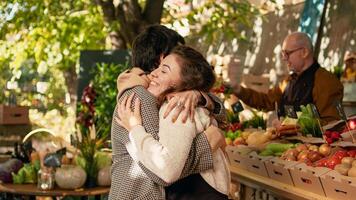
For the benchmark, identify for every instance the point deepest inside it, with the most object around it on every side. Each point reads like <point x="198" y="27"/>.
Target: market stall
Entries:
<point x="288" y="164"/>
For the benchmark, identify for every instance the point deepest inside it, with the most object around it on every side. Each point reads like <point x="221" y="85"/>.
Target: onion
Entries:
<point x="352" y="172"/>
<point x="291" y="152"/>
<point x="342" y="169"/>
<point x="347" y="160"/>
<point x="301" y="147"/>
<point x="325" y="149"/>
<point x="303" y="155"/>
<point x="290" y="158"/>
<point x="314" y="156"/>
<point x="313" y="148"/>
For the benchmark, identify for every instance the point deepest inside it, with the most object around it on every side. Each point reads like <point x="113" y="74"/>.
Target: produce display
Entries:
<point x="300" y="147"/>
<point x="68" y="173"/>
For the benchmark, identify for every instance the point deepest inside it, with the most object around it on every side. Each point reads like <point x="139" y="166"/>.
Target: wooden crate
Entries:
<point x="14" y="115"/>
<point x="10" y="134"/>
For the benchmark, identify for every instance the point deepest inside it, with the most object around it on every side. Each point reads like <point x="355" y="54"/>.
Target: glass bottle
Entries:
<point x="45" y="178"/>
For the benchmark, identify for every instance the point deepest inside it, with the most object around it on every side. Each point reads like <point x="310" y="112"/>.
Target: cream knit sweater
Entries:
<point x="166" y="157"/>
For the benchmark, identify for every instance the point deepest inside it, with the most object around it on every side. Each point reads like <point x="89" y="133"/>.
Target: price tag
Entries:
<point x="340" y="110"/>
<point x="290" y="112"/>
<point x="237" y="107"/>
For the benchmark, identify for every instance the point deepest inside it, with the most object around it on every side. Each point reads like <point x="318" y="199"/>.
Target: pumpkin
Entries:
<point x="104" y="176"/>
<point x="70" y="177"/>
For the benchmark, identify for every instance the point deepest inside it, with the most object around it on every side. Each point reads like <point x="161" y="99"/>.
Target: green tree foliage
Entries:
<point x="104" y="84"/>
<point x="42" y="39"/>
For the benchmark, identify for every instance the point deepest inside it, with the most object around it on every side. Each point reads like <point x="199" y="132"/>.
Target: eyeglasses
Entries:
<point x="285" y="53"/>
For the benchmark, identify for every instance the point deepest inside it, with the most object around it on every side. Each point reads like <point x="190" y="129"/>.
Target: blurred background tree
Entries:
<point x="41" y="40"/>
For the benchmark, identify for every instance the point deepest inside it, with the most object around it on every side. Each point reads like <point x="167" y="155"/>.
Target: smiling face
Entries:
<point x="166" y="77"/>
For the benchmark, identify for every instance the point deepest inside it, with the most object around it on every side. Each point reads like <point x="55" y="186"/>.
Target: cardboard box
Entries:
<point x="256" y="164"/>
<point x="337" y="186"/>
<point x="278" y="169"/>
<point x="14" y="115"/>
<point x="308" y="178"/>
<point x="238" y="155"/>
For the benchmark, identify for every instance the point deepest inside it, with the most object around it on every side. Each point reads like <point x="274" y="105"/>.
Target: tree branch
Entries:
<point x="153" y="11"/>
<point x="108" y="9"/>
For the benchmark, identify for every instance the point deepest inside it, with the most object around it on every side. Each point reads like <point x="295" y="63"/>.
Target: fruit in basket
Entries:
<point x="314" y="156"/>
<point x="332" y="136"/>
<point x="352" y="172"/>
<point x="303" y="155"/>
<point x="239" y="141"/>
<point x="351" y="124"/>
<point x="342" y="169"/>
<point x="314" y="148"/>
<point x="228" y="141"/>
<point x="352" y="153"/>
<point x="325" y="149"/>
<point x="321" y="163"/>
<point x="347" y="160"/>
<point x="290" y="153"/>
<point x="301" y="147"/>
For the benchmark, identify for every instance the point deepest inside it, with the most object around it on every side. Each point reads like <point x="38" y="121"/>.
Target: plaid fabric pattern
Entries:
<point x="130" y="179"/>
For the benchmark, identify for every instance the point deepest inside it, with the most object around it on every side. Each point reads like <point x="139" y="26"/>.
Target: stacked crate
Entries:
<point x="14" y="125"/>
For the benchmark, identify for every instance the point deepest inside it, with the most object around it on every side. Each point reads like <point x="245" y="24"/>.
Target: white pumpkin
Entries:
<point x="104" y="176"/>
<point x="70" y="177"/>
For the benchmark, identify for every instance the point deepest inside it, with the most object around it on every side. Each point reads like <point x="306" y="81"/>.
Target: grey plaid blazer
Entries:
<point x="132" y="180"/>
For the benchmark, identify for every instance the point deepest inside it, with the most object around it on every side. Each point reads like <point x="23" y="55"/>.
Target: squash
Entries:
<point x="70" y="177"/>
<point x="104" y="176"/>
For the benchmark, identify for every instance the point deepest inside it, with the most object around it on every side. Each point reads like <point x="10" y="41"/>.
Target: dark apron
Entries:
<point x="299" y="90"/>
<point x="193" y="187"/>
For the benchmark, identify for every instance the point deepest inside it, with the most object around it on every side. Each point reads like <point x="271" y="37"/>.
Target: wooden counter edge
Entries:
<point x="31" y="189"/>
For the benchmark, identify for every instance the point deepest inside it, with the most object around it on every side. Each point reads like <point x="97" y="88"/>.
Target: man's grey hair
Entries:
<point x="302" y="39"/>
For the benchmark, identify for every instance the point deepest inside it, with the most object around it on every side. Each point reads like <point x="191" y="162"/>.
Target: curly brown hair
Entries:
<point x="196" y="72"/>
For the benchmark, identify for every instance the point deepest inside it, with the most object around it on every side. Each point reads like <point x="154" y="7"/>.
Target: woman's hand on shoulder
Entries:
<point x="185" y="103"/>
<point x="127" y="117"/>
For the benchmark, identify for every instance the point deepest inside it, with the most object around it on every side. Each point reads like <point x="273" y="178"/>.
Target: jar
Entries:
<point x="45" y="178"/>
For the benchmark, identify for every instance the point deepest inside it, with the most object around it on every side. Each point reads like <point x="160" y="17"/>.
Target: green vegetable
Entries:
<point x="80" y="161"/>
<point x="27" y="174"/>
<point x="308" y="123"/>
<point x="233" y="135"/>
<point x="266" y="152"/>
<point x="278" y="147"/>
<point x="103" y="159"/>
<point x="18" y="178"/>
<point x="255" y="122"/>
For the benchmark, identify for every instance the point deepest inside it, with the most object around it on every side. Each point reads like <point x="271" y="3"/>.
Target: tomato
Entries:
<point x="352" y="124"/>
<point x="352" y="153"/>
<point x="321" y="163"/>
<point x="332" y="162"/>
<point x="340" y="154"/>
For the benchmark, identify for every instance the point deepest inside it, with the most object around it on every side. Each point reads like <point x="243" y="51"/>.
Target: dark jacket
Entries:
<point x="326" y="90"/>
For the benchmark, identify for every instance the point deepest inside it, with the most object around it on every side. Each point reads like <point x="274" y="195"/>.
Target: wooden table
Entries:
<point x="276" y="188"/>
<point x="32" y="191"/>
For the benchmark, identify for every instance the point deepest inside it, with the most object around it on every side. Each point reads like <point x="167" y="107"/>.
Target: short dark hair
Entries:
<point x="196" y="72"/>
<point x="149" y="45"/>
